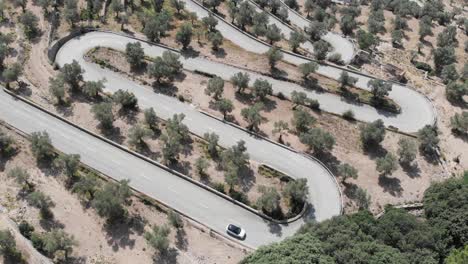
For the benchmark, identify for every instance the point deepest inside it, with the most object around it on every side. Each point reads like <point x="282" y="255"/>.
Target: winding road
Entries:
<point x="204" y="206"/>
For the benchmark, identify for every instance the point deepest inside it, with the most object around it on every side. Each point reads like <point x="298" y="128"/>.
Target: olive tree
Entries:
<point x="134" y="54"/>
<point x="274" y="55"/>
<point x="387" y="164"/>
<point x="407" y="150"/>
<point x="41" y="146"/>
<point x="318" y="140"/>
<point x="252" y="116"/>
<point x="241" y="81"/>
<point x="372" y="133"/>
<point x="215" y="87"/>
<point x="103" y="113"/>
<point x="346" y="171"/>
<point x="268" y="200"/>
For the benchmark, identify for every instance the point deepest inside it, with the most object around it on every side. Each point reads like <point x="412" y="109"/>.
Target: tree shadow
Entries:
<point x="146" y="151"/>
<point x="278" y="73"/>
<point x="141" y="70"/>
<point x="128" y="115"/>
<point x="24" y="89"/>
<point x="245" y="98"/>
<point x="181" y="239"/>
<point x="275" y="228"/>
<point x="183" y="167"/>
<point x="268" y="105"/>
<point x="50" y="224"/>
<point x="391" y="185"/>
<point x="118" y="234"/>
<point x="113" y="134"/>
<point x="189" y="53"/>
<point x="165" y="88"/>
<point x="219" y="53"/>
<point x="462" y="136"/>
<point x="65" y="109"/>
<point x="246" y="178"/>
<point x="374" y="151"/>
<point x="167" y="257"/>
<point x="411" y="169"/>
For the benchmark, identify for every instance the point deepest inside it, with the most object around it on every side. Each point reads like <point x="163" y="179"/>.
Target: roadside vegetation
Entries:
<point x="390" y="238"/>
<point x="70" y="212"/>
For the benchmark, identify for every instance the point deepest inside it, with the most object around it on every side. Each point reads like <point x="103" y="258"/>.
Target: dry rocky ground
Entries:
<point x="96" y="243"/>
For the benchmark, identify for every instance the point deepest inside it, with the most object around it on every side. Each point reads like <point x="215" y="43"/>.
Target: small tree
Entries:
<point x="135" y="54"/>
<point x="212" y="140"/>
<point x="184" y="35"/>
<point x="372" y="133"/>
<point x="406" y="150"/>
<point x="126" y="99"/>
<point x="158" y="238"/>
<point x="12" y="73"/>
<point x="216" y="39"/>
<point x="296" y="192"/>
<point x="316" y="30"/>
<point x="137" y="135"/>
<point x="7" y="145"/>
<point x="178" y="5"/>
<point x="298" y="98"/>
<point x="151" y="119"/>
<point x="8" y="247"/>
<point x="210" y="23"/>
<point x="308" y="68"/>
<point x="59" y="244"/>
<point x="455" y="91"/>
<point x="363" y="199"/>
<point x="318" y="140"/>
<point x="240" y="80"/>
<point x="459" y="123"/>
<point x="93" y="88"/>
<point x="70" y="11"/>
<point x="215" y="87"/>
<point x="41" y="146"/>
<point x="225" y="106"/>
<point x="429" y="139"/>
<point x="346" y="80"/>
<point x="252" y="116"/>
<point x="175" y="219"/>
<point x="261" y="88"/>
<point x="72" y="74"/>
<point x="295" y="40"/>
<point x="273" y="34"/>
<point x="268" y="200"/>
<point x="116" y="7"/>
<point x="42" y="202"/>
<point x="201" y="164"/>
<point x="86" y="186"/>
<point x="379" y="89"/>
<point x="387" y="164"/>
<point x="366" y="40"/>
<point x="30" y="24"/>
<point x="449" y="73"/>
<point x="302" y="120"/>
<point x="57" y="88"/>
<point x="274" y="55"/>
<point x="69" y="164"/>
<point x="346" y="171"/>
<point x="279" y="128"/>
<point x="21" y="177"/>
<point x="321" y="49"/>
<point x="109" y="201"/>
<point x="103" y="113"/>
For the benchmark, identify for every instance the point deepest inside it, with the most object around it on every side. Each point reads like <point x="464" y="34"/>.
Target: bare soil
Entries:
<point x="98" y="243"/>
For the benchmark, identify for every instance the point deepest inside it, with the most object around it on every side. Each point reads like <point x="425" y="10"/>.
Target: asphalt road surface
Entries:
<point x="204" y="206"/>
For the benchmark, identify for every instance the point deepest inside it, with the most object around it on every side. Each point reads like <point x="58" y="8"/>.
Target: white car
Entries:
<point x="235" y="231"/>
